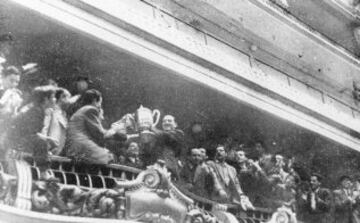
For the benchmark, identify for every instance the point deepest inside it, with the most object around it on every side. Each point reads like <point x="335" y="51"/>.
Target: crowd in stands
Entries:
<point x="55" y="123"/>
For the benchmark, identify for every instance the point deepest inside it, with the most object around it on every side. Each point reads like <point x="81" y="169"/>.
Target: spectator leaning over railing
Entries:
<point x="86" y="135"/>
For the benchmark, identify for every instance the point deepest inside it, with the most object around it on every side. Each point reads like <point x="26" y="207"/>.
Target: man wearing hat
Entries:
<point x="344" y="201"/>
<point x="315" y="205"/>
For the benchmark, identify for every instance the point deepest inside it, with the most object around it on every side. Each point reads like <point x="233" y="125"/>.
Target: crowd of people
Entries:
<point x="53" y="122"/>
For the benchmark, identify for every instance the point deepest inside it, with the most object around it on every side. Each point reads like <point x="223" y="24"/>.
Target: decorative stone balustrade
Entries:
<point x="112" y="192"/>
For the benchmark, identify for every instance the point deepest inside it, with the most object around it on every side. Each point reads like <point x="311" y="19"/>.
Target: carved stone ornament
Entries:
<point x="151" y="197"/>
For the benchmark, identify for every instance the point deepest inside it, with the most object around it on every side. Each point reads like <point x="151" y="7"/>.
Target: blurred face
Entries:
<point x="203" y="153"/>
<point x="259" y="148"/>
<point x="5" y="48"/>
<point x="50" y="102"/>
<point x="279" y="160"/>
<point x="133" y="146"/>
<point x="82" y="85"/>
<point x="98" y="103"/>
<point x="314" y="182"/>
<point x="290" y="181"/>
<point x="133" y="149"/>
<point x="11" y="81"/>
<point x="346" y="183"/>
<point x="357" y="184"/>
<point x="220" y="153"/>
<point x="168" y="123"/>
<point x="196" y="156"/>
<point x="101" y="114"/>
<point x="52" y="83"/>
<point x="241" y="157"/>
<point x="64" y="100"/>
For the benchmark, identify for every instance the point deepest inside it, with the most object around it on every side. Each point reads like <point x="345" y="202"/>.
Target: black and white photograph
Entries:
<point x="179" y="111"/>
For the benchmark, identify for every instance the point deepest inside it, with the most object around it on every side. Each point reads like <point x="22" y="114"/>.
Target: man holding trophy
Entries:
<point x="163" y="145"/>
<point x="170" y="144"/>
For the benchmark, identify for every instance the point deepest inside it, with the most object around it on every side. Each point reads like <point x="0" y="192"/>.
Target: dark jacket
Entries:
<point x="168" y="146"/>
<point x="86" y="135"/>
<point x="22" y="134"/>
<point x="343" y="207"/>
<point x="322" y="212"/>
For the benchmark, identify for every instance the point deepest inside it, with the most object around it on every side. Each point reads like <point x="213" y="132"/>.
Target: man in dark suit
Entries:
<point x="187" y="172"/>
<point x="315" y="205"/>
<point x="344" y="201"/>
<point x="132" y="158"/>
<point x="168" y="146"/>
<point x="85" y="133"/>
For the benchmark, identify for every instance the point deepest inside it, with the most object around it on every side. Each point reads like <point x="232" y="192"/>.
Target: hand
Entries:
<point x="110" y="155"/>
<point x="118" y="126"/>
<point x="222" y="194"/>
<point x="180" y="164"/>
<point x="42" y="136"/>
<point x="255" y="164"/>
<point x="245" y="203"/>
<point x="353" y="201"/>
<point x="52" y="142"/>
<point x="6" y="97"/>
<point x="350" y="200"/>
<point x="304" y="196"/>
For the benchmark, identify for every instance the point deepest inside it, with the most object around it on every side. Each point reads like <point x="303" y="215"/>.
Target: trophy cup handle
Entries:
<point x="157" y="114"/>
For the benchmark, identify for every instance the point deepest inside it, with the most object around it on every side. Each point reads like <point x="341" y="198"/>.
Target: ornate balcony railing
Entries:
<point x="113" y="192"/>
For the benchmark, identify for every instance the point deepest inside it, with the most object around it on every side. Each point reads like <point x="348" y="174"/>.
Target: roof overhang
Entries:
<point x="146" y="32"/>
